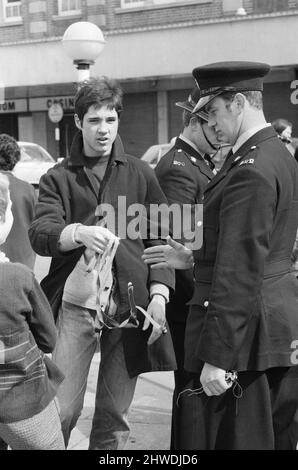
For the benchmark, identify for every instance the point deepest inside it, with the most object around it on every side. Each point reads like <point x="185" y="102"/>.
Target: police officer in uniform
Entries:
<point x="243" y="316"/>
<point x="183" y="174"/>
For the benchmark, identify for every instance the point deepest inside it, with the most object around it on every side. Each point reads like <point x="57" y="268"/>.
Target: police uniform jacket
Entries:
<point x="183" y="175"/>
<point x="244" y="307"/>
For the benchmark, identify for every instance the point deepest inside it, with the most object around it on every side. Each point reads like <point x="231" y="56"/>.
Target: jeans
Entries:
<point x="76" y="344"/>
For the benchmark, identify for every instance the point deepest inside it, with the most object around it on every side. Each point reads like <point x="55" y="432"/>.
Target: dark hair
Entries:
<point x="255" y="98"/>
<point x="10" y="152"/>
<point x="281" y="124"/>
<point x="99" y="91"/>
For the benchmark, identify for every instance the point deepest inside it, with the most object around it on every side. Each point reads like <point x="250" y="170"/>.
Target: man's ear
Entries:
<point x="77" y="122"/>
<point x="193" y="122"/>
<point x="239" y="102"/>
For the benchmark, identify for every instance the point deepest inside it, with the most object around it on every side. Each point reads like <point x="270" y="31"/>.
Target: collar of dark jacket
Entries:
<point x="77" y="153"/>
<point x="264" y="134"/>
<point x="199" y="160"/>
<point x="181" y="144"/>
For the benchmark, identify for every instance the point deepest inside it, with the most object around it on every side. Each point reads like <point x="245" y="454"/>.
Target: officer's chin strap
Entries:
<point x="214" y="147"/>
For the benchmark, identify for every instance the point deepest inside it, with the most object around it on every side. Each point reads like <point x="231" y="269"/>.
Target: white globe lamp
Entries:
<point x="83" y="42"/>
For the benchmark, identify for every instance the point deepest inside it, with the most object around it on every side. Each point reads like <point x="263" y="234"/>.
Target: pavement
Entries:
<point x="149" y="417"/>
<point x="150" y="413"/>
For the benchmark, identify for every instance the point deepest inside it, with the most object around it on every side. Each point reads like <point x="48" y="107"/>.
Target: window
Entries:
<point x="12" y="10"/>
<point x="152" y="3"/>
<point x="69" y="7"/>
<point x="132" y="3"/>
<point x="271" y="6"/>
<point x="160" y="2"/>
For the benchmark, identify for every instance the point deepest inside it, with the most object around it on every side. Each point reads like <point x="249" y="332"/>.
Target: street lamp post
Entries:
<point x="83" y="42"/>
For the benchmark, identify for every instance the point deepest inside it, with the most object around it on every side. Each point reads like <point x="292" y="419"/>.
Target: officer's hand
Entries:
<point x="213" y="380"/>
<point x="157" y="310"/>
<point x="93" y="237"/>
<point x="173" y="255"/>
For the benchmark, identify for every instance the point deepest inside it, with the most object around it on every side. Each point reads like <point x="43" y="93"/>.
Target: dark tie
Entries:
<point x="209" y="161"/>
<point x="229" y="159"/>
<point x="229" y="154"/>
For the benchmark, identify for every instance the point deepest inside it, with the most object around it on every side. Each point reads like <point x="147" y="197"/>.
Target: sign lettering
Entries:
<point x="66" y="102"/>
<point x="13" y="106"/>
<point x="294" y="94"/>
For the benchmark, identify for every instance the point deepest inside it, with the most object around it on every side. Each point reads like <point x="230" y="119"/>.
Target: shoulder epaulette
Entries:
<point x="247" y="161"/>
<point x="176" y="160"/>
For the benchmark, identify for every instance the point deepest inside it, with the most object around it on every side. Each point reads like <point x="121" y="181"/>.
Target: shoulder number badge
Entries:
<point x="247" y="162"/>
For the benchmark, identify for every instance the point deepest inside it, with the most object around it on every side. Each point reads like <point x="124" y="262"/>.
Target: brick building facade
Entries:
<point x="151" y="47"/>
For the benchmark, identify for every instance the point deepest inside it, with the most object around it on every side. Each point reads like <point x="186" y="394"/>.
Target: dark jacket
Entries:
<point x="67" y="195"/>
<point x="183" y="176"/>
<point x="17" y="246"/>
<point x="245" y="299"/>
<point x="26" y="328"/>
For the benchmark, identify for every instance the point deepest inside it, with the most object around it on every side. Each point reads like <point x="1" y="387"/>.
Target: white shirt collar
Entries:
<point x="247" y="135"/>
<point x="189" y="142"/>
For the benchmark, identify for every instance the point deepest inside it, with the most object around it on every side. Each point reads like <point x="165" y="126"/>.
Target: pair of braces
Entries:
<point x="135" y="308"/>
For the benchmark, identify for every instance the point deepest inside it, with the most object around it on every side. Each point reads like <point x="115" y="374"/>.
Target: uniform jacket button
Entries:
<point x="206" y="303"/>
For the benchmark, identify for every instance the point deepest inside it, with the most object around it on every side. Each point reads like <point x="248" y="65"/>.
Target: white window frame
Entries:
<point x="132" y="3"/>
<point x="172" y="2"/>
<point x="162" y="2"/>
<point x="10" y="5"/>
<point x="69" y="12"/>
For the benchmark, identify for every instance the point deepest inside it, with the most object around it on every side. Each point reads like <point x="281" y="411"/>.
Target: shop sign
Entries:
<point x="13" y="106"/>
<point x="44" y="103"/>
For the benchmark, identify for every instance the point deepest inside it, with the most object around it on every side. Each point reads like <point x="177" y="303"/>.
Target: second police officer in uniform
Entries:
<point x="183" y="174"/>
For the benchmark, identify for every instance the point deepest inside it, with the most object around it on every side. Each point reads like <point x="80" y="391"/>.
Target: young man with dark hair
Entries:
<point x="91" y="268"/>
<point x="17" y="246"/>
<point x="242" y="328"/>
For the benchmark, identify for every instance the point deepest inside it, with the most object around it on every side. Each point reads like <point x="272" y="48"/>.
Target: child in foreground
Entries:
<point x="29" y="418"/>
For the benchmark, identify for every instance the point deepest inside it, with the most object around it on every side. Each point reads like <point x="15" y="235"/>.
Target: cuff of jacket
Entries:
<point x="160" y="289"/>
<point x="67" y="240"/>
